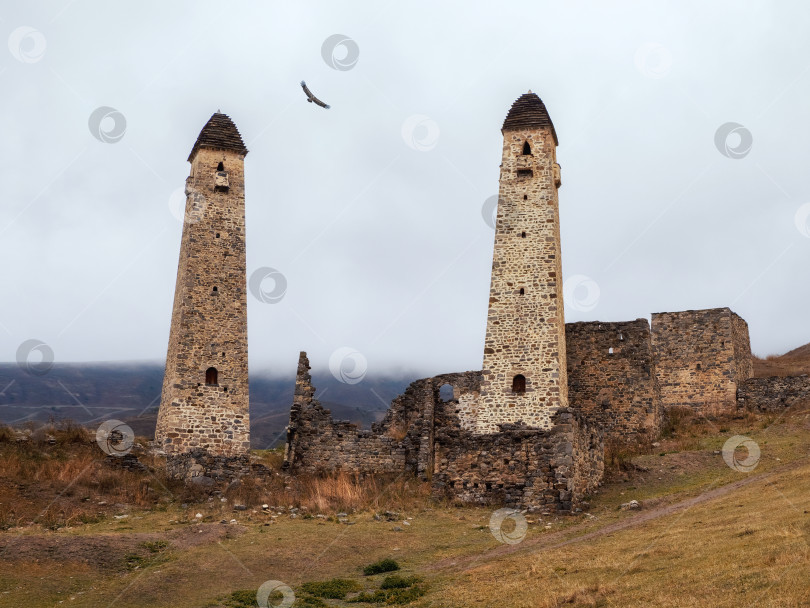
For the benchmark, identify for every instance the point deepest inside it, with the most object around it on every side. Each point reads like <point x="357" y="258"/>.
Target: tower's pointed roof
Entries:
<point x="219" y="133"/>
<point x="528" y="112"/>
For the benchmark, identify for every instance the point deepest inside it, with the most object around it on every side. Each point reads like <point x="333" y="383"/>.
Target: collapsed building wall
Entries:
<point x="701" y="357"/>
<point x="550" y="470"/>
<point x="611" y="377"/>
<point x="773" y="394"/>
<point x="433" y="437"/>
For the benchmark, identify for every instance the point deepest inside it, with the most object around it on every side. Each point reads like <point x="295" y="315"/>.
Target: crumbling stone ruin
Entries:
<point x="427" y="436"/>
<point x="702" y="357"/>
<point x="612" y="377"/>
<point x="773" y="394"/>
<point x="203" y="424"/>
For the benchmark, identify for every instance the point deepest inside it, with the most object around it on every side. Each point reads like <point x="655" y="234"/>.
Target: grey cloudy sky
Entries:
<point x="383" y="244"/>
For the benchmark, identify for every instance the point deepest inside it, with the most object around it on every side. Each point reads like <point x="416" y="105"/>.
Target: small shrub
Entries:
<point x="384" y="565"/>
<point x="335" y="589"/>
<point x="395" y="581"/>
<point x="241" y="598"/>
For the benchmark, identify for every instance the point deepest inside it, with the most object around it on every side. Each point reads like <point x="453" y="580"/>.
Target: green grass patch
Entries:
<point x="335" y="589"/>
<point x="384" y="565"/>
<point x="396" y="581"/>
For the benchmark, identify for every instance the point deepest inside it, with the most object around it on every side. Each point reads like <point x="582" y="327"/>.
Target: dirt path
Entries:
<point x="562" y="538"/>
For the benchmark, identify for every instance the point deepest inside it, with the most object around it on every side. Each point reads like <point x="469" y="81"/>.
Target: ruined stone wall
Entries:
<point x="434" y="438"/>
<point x="701" y="356"/>
<point x="611" y="376"/>
<point x="547" y="470"/>
<point x="773" y="394"/>
<point x="402" y="441"/>
<point x="209" y="318"/>
<point x="525" y="326"/>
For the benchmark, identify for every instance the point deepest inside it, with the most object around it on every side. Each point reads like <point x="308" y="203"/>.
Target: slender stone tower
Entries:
<point x="525" y="376"/>
<point x="204" y="406"/>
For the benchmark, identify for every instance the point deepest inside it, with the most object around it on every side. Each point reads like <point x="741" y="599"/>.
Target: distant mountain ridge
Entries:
<point x="91" y="392"/>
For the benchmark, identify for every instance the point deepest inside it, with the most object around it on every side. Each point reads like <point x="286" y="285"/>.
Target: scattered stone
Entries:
<point x="239" y="508"/>
<point x="633" y="505"/>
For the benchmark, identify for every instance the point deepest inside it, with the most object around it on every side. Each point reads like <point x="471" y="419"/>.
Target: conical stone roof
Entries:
<point x="528" y="112"/>
<point x="221" y="134"/>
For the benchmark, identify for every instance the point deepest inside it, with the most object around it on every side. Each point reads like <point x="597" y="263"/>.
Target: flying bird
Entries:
<point x="311" y="97"/>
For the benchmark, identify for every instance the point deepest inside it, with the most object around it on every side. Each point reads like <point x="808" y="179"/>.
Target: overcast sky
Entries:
<point x="372" y="210"/>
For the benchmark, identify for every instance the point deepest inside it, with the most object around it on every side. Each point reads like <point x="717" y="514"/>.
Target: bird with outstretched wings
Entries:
<point x="311" y="98"/>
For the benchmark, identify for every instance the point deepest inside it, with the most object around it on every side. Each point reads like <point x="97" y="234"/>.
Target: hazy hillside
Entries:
<point x="91" y="392"/>
<point x="793" y="363"/>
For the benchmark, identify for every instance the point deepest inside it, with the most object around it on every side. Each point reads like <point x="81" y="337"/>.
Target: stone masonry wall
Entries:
<point x="548" y="470"/>
<point x="773" y="394"/>
<point x="611" y="376"/>
<point x="209" y="318"/>
<point x="525" y="326"/>
<point x="433" y="438"/>
<point x="701" y="357"/>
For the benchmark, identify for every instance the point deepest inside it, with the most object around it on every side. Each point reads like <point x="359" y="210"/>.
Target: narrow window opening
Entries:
<point x="217" y="234"/>
<point x="524" y="173"/>
<point x="519" y="384"/>
<point x="698" y="367"/>
<point x="522" y="291"/>
<point x="211" y="376"/>
<point x="527" y="150"/>
<point x="621" y="337"/>
<point x="610" y="350"/>
<point x="525" y="197"/>
<point x="446" y="392"/>
<point x="523" y="235"/>
<point x="215" y="290"/>
<point x="220" y="167"/>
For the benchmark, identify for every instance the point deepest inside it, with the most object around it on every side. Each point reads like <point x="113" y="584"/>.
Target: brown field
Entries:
<point x="79" y="532"/>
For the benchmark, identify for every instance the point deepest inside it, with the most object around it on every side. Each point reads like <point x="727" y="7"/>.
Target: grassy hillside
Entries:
<point x="78" y="532"/>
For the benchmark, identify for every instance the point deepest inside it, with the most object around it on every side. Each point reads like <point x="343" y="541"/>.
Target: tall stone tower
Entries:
<point x="525" y="376"/>
<point x="204" y="405"/>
